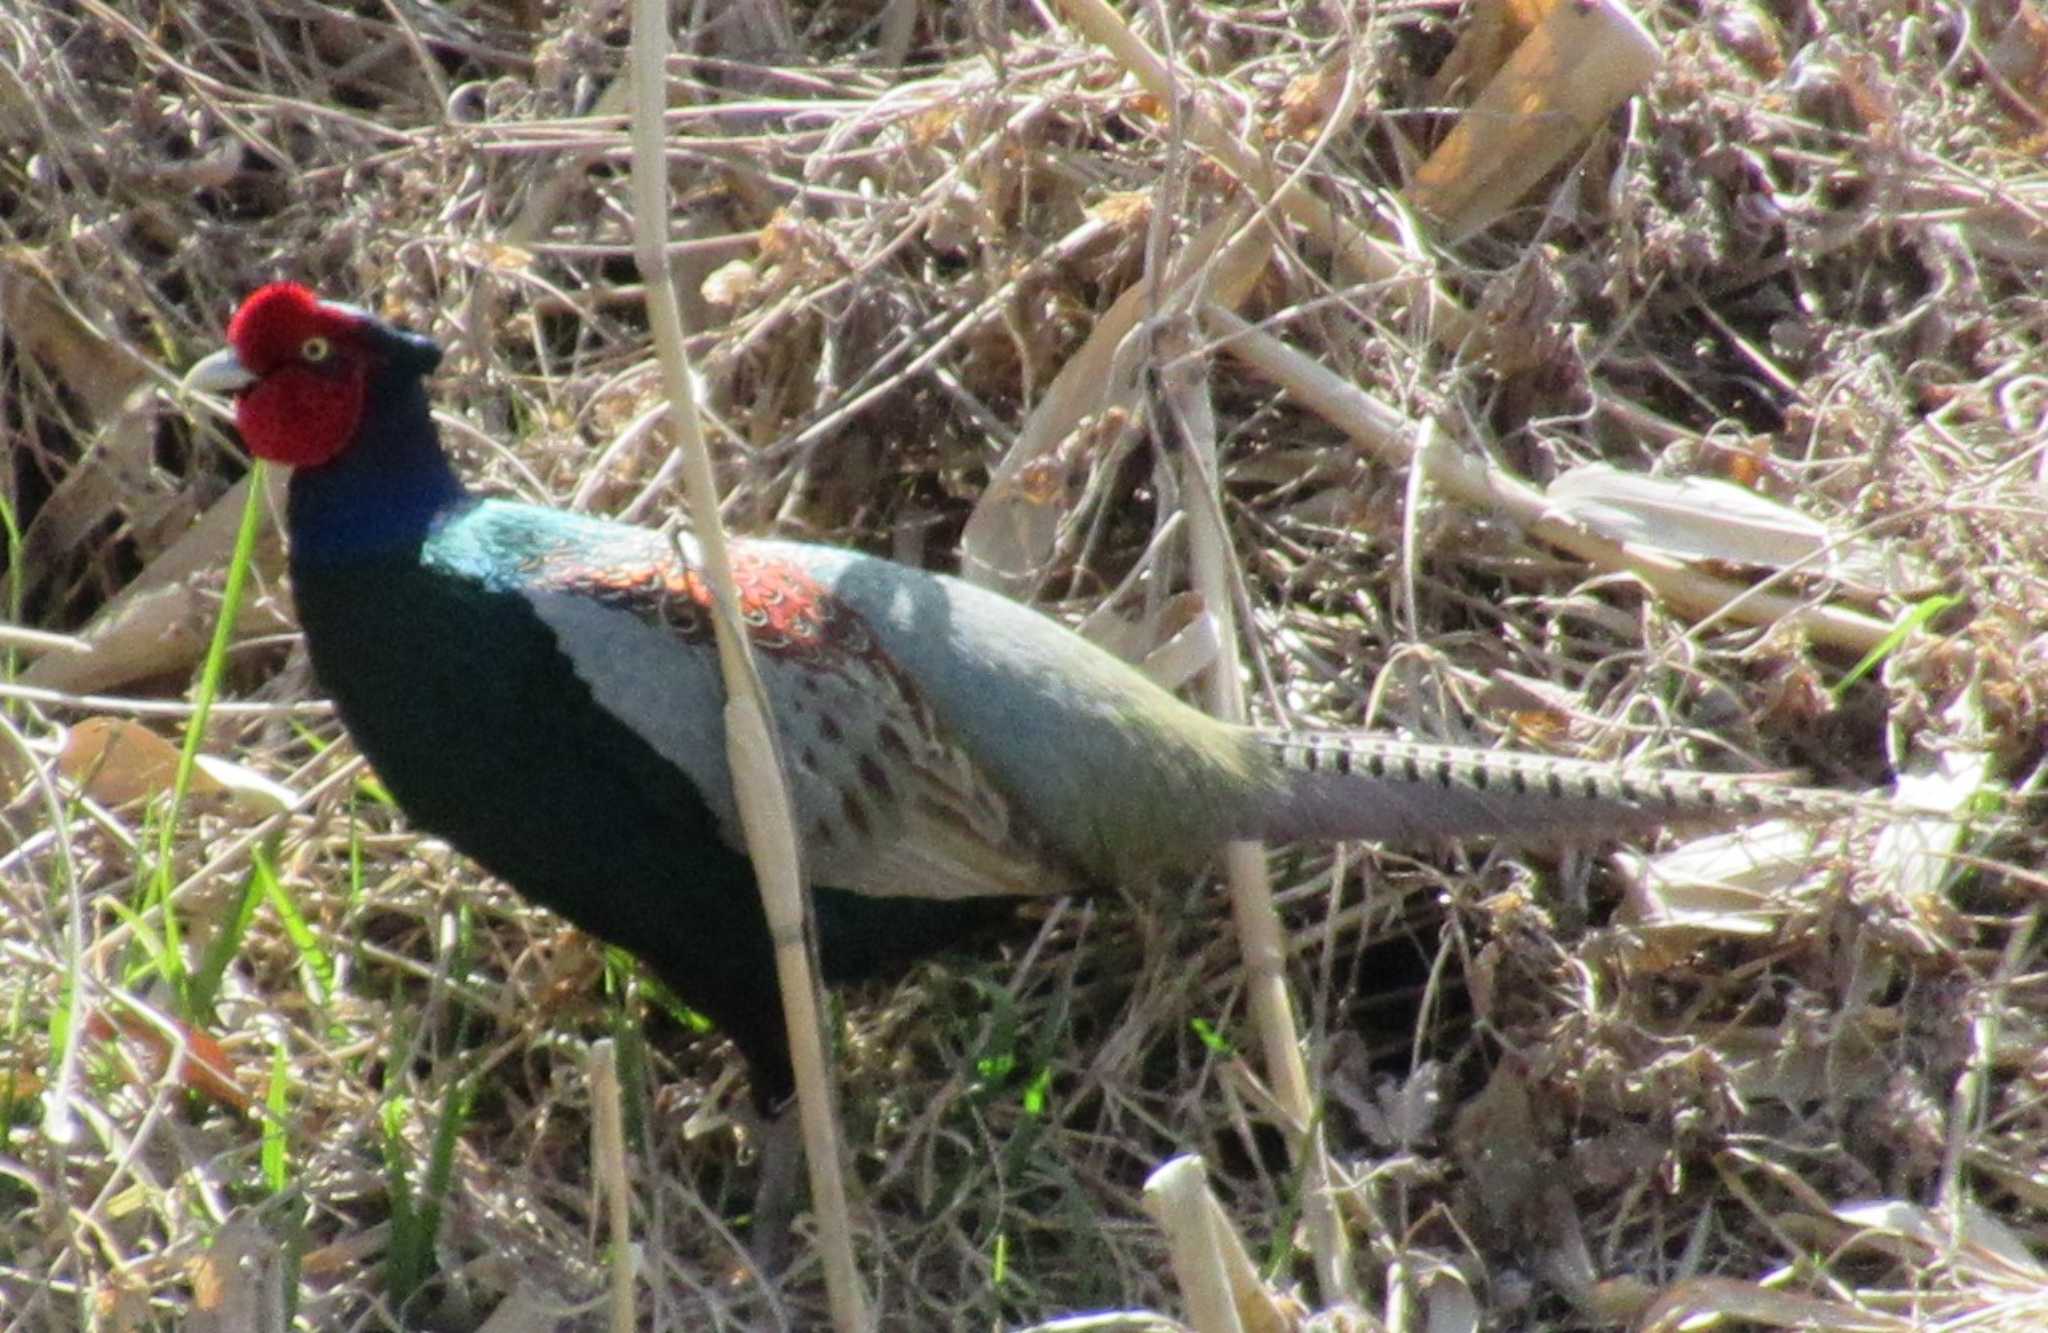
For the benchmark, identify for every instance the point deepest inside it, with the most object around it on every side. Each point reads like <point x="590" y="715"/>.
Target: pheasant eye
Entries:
<point x="315" y="350"/>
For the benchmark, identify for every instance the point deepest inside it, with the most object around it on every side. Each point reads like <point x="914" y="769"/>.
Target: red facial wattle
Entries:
<point x="309" y="368"/>
<point x="301" y="415"/>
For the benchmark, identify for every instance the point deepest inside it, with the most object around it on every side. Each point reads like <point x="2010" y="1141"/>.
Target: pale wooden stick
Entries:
<point x="1582" y="59"/>
<point x="608" y="1163"/>
<point x="1218" y="1280"/>
<point x="1260" y="937"/>
<point x="759" y="785"/>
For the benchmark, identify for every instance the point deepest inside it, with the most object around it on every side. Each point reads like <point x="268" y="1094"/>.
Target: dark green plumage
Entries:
<point x="461" y="700"/>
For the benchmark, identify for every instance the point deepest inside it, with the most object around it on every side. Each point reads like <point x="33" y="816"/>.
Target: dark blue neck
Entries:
<point x="383" y="493"/>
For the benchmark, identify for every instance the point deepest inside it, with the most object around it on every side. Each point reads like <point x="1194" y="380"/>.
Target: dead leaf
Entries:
<point x="161" y="623"/>
<point x="116" y="760"/>
<point x="202" y="1063"/>
<point x="99" y="372"/>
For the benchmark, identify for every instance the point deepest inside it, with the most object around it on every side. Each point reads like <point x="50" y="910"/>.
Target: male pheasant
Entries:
<point x="540" y="689"/>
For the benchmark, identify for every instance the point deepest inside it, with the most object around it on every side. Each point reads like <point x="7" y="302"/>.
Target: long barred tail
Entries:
<point x="1358" y="785"/>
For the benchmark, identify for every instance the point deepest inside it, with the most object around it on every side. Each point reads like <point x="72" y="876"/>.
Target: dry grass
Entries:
<point x="1807" y="260"/>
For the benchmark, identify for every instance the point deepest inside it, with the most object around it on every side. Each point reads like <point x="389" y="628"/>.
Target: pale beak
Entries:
<point x="223" y="372"/>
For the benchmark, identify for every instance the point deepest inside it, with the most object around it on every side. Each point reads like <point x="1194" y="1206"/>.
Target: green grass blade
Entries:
<point x="407" y="1260"/>
<point x="204" y="986"/>
<point x="416" y="1204"/>
<point x="319" y="968"/>
<point x="17" y="587"/>
<point x="1909" y="624"/>
<point x="210" y="675"/>
<point x="276" y="1169"/>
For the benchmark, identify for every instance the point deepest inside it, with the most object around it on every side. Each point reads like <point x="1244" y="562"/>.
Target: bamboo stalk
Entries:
<point x="1260" y="937"/>
<point x="759" y="784"/>
<point x="608" y="1164"/>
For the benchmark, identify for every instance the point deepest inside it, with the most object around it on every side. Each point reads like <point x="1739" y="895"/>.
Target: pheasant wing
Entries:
<point x="886" y="802"/>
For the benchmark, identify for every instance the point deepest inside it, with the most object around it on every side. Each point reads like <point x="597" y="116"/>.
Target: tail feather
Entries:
<point x="1355" y="785"/>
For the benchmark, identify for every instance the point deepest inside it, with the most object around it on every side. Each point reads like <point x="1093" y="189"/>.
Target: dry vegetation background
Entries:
<point x="1806" y="260"/>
